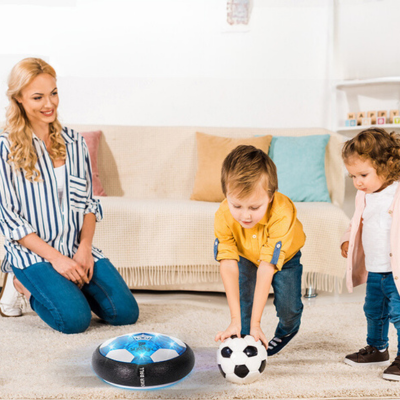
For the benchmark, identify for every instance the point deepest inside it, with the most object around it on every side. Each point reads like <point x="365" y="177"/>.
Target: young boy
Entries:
<point x="258" y="244"/>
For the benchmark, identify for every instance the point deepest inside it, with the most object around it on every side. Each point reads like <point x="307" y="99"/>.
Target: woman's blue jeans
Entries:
<point x="382" y="303"/>
<point x="66" y="308"/>
<point x="287" y="290"/>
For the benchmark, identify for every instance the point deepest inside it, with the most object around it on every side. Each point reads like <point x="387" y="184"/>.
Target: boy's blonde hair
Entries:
<point x="378" y="146"/>
<point x="245" y="168"/>
<point x="22" y="153"/>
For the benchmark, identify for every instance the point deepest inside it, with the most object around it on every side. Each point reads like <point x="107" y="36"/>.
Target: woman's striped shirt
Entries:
<point x="27" y="207"/>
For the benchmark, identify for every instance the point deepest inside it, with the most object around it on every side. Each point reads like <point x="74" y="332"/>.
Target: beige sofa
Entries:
<point x="161" y="240"/>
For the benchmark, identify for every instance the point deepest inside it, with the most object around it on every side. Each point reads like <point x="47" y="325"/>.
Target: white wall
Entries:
<point x="158" y="62"/>
<point x="367" y="38"/>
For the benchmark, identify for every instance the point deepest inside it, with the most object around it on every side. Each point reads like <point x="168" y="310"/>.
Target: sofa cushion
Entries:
<point x="92" y="140"/>
<point x="211" y="152"/>
<point x="300" y="162"/>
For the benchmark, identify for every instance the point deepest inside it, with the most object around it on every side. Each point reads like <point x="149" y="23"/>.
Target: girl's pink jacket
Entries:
<point x="356" y="272"/>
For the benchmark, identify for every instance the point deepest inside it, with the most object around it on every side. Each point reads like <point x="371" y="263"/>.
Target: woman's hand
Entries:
<point x="85" y="259"/>
<point x="233" y="329"/>
<point x="258" y="334"/>
<point x="345" y="249"/>
<point x="70" y="269"/>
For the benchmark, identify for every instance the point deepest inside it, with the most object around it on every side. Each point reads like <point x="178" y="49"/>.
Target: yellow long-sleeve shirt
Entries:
<point x="275" y="239"/>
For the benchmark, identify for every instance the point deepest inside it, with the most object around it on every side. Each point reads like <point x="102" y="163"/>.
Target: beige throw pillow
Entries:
<point x="211" y="152"/>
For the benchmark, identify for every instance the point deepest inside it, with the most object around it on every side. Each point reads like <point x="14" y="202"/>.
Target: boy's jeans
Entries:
<point x="382" y="302"/>
<point x="66" y="308"/>
<point x="287" y="290"/>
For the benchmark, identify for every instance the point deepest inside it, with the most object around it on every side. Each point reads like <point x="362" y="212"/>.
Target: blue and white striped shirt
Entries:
<point x="27" y="207"/>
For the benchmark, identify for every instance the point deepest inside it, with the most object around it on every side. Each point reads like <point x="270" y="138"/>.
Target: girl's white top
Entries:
<point x="376" y="229"/>
<point x="60" y="177"/>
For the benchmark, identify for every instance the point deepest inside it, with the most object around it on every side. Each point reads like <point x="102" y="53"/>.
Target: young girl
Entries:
<point x="48" y="214"/>
<point x="371" y="244"/>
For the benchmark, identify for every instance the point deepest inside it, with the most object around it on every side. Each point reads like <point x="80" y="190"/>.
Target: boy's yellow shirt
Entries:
<point x="275" y="239"/>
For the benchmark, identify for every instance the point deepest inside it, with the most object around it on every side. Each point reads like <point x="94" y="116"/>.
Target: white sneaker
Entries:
<point x="11" y="301"/>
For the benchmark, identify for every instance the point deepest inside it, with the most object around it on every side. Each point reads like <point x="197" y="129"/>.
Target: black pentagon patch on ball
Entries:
<point x="241" y="371"/>
<point x="250" y="351"/>
<point x="226" y="352"/>
<point x="262" y="366"/>
<point x="222" y="371"/>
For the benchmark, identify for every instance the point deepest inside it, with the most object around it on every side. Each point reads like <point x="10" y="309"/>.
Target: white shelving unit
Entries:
<point x="364" y="82"/>
<point x="378" y="93"/>
<point x="361" y="127"/>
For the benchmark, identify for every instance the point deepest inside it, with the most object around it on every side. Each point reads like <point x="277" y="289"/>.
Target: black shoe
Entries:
<point x="276" y="344"/>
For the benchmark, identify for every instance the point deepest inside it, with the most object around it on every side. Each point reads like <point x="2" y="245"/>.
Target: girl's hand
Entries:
<point x="233" y="329"/>
<point x="345" y="249"/>
<point x="258" y="334"/>
<point x="85" y="259"/>
<point x="70" y="269"/>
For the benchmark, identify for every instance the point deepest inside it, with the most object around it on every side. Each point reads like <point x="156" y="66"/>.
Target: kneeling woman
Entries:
<point x="48" y="214"/>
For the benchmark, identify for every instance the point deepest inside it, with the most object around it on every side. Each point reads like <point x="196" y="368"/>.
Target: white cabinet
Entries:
<point x="364" y="95"/>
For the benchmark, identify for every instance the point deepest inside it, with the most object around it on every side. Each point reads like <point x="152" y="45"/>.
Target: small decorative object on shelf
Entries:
<point x="382" y="113"/>
<point x="372" y="115"/>
<point x="351" y="122"/>
<point x="351" y="115"/>
<point x="396" y="120"/>
<point x="392" y="114"/>
<point x="371" y="118"/>
<point x="360" y="116"/>
<point x="366" y="121"/>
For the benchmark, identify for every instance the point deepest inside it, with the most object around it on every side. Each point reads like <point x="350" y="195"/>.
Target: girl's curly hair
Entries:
<point x="378" y="146"/>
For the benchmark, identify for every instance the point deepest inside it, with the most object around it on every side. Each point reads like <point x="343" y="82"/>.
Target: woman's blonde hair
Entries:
<point x="22" y="153"/>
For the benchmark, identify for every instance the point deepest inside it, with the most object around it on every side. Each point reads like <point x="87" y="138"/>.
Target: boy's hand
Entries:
<point x="345" y="249"/>
<point x="258" y="334"/>
<point x="233" y="329"/>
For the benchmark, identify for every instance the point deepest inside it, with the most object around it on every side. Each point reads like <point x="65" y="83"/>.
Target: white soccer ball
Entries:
<point x="241" y="360"/>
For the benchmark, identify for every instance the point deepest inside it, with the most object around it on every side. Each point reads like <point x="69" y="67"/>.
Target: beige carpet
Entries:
<point x="38" y="363"/>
